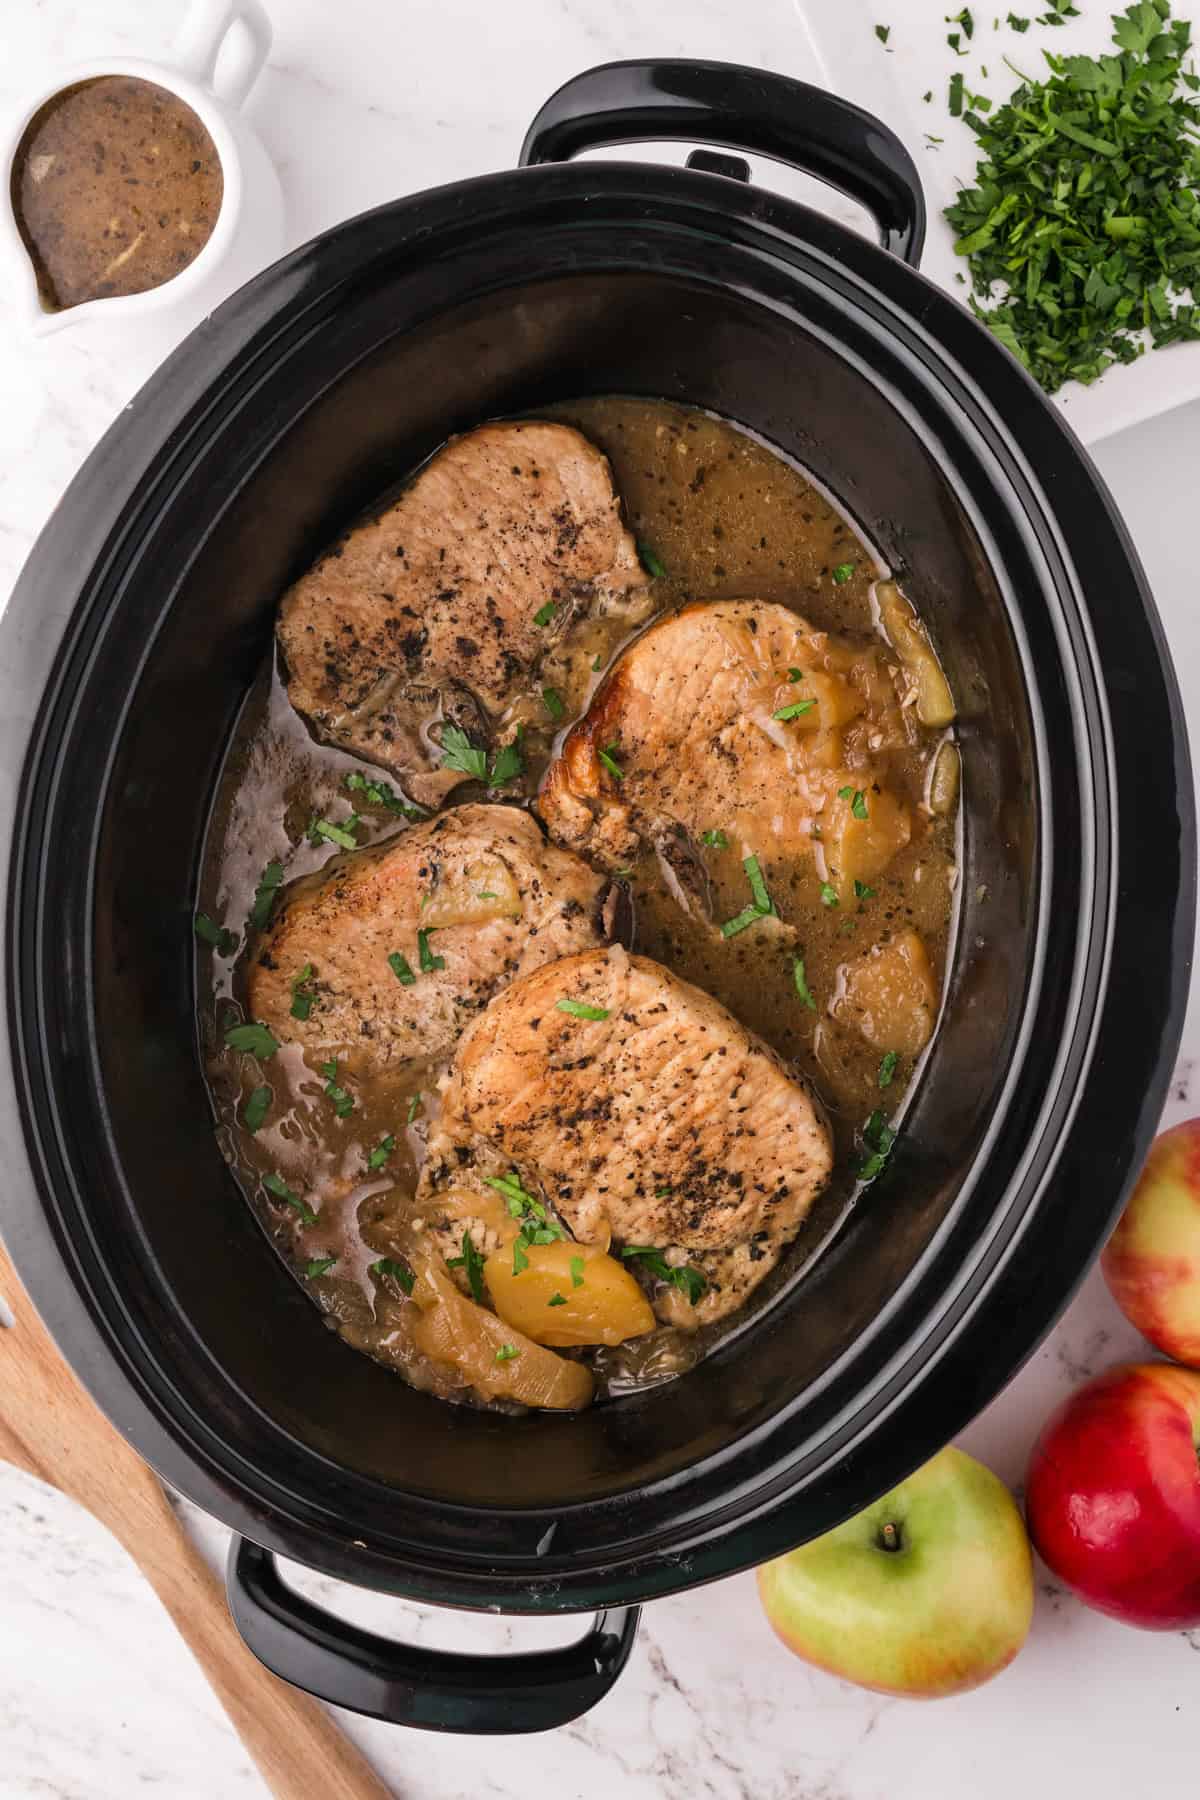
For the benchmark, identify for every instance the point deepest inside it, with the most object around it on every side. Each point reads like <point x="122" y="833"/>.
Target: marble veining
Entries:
<point x="98" y="1698"/>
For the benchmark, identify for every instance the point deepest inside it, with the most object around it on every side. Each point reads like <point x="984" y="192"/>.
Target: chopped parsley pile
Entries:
<point x="1082" y="233"/>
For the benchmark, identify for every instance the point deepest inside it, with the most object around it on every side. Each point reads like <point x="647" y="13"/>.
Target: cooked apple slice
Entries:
<point x="906" y="634"/>
<point x="889" y="995"/>
<point x="498" y="1361"/>
<point x="568" y="1294"/>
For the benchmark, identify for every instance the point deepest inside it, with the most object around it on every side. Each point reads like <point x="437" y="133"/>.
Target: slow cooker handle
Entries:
<point x="406" y="1684"/>
<point x="742" y="109"/>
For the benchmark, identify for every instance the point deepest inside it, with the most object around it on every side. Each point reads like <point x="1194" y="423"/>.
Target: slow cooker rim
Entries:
<point x="616" y="174"/>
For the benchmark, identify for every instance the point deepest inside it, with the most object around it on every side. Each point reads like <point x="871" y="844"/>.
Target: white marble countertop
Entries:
<point x="98" y="1698"/>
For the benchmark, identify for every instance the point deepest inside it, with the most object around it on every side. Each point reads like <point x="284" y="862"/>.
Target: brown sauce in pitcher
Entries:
<point x="116" y="188"/>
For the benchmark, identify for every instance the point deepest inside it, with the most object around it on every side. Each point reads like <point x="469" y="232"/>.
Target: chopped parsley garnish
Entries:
<point x="954" y="98"/>
<point x="1017" y="22"/>
<point x="878" y="1138"/>
<point x="382" y="793"/>
<point x="557" y="1300"/>
<point x="472" y="1262"/>
<point x="428" y="961"/>
<point x="544" y="614"/>
<point x="654" y="1259"/>
<point x="758" y="886"/>
<point x="761" y="904"/>
<point x="650" y="562"/>
<point x="577" y="1271"/>
<point x="887" y="1068"/>
<point x="507" y="1353"/>
<point x="343" y="1102"/>
<point x="276" y="1185"/>
<point x="400" y="1272"/>
<point x="414" y="1107"/>
<point x="829" y="894"/>
<point x="507" y="764"/>
<point x="510" y="1187"/>
<point x="857" y="799"/>
<point x="579" y="1009"/>
<point x="400" y="968"/>
<point x="381" y="1152"/>
<point x="256" y="1108"/>
<point x="537" y="1227"/>
<point x="553" y="703"/>
<point x="883" y="33"/>
<point x="843" y="572"/>
<point x="1082" y="232"/>
<point x="610" y="762"/>
<point x="458" y="752"/>
<point x="964" y="19"/>
<point x="794" y="712"/>
<point x="596" y="664"/>
<point x="253" y="1038"/>
<point x="862" y="891"/>
<point x="320" y="1265"/>
<point x="547" y="1232"/>
<point x="795" y="674"/>
<point x="342" y="835"/>
<point x="302" y="994"/>
<point x="222" y="941"/>
<point x="264" y="895"/>
<point x="716" y="840"/>
<point x="689" y="1281"/>
<point x="749" y="915"/>
<point x="801" y="981"/>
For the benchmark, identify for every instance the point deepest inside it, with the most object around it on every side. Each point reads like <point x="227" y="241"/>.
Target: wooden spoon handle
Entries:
<point x="300" y="1752"/>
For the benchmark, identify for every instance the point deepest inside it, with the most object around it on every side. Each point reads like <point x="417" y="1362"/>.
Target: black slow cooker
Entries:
<point x="129" y="646"/>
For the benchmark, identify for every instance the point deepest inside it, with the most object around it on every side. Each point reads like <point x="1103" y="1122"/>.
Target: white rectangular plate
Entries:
<point x="890" y="82"/>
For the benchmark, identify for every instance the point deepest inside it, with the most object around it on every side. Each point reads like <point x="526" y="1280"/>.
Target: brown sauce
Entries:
<point x="724" y="516"/>
<point x="116" y="188"/>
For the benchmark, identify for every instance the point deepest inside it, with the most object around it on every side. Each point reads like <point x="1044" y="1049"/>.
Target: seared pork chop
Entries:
<point x="446" y="604"/>
<point x="391" y="951"/>
<point x="639" y="1108"/>
<point x="738" y="715"/>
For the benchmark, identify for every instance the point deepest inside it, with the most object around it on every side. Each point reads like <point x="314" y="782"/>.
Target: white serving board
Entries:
<point x="891" y="81"/>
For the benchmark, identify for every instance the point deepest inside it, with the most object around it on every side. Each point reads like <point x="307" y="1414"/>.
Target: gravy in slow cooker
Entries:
<point x="744" y="759"/>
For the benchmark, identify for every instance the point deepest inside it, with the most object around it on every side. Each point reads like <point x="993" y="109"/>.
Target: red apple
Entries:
<point x="1152" y="1260"/>
<point x="1113" y="1495"/>
<point x="927" y="1592"/>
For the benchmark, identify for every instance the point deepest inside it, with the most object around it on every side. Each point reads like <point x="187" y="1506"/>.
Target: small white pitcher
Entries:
<point x="248" y="233"/>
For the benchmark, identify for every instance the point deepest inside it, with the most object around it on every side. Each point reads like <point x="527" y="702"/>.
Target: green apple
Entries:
<point x="928" y="1592"/>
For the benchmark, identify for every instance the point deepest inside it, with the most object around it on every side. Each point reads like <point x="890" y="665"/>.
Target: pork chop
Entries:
<point x="738" y="716"/>
<point x="387" y="953"/>
<point x="445" y="605"/>
<point x="641" y="1109"/>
